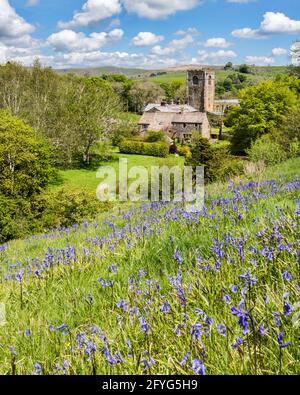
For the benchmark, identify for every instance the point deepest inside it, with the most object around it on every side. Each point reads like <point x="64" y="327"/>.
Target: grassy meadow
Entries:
<point x="157" y="289"/>
<point x="259" y="74"/>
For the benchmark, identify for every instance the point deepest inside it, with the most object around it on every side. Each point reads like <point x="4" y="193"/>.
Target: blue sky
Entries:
<point x="148" y="33"/>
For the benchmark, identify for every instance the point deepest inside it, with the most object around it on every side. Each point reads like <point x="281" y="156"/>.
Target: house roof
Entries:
<point x="192" y="117"/>
<point x="161" y="120"/>
<point x="169" y="108"/>
<point x="231" y="101"/>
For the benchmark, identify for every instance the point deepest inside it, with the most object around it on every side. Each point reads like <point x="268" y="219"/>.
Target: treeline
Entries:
<point x="73" y="113"/>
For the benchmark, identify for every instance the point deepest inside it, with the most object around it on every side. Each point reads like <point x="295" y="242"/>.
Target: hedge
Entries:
<point x="143" y="148"/>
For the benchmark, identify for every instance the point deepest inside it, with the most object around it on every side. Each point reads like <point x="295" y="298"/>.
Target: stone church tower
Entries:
<point x="201" y="89"/>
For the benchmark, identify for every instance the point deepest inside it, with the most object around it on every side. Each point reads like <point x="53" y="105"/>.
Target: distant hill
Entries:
<point x="96" y="71"/>
<point x="175" y="73"/>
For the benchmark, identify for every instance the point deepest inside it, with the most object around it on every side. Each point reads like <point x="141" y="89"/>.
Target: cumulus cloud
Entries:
<point x="260" y="60"/>
<point x="247" y="32"/>
<point x="92" y="12"/>
<point x="218" y="57"/>
<point x="173" y="47"/>
<point x="218" y="42"/>
<point x="158" y="9"/>
<point x="241" y="1"/>
<point x="70" y="41"/>
<point x="273" y="23"/>
<point x="13" y="28"/>
<point x="32" y="3"/>
<point x="190" y="30"/>
<point x="279" y="52"/>
<point x="144" y="39"/>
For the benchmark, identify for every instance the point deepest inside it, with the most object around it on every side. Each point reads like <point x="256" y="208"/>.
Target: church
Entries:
<point x="181" y="120"/>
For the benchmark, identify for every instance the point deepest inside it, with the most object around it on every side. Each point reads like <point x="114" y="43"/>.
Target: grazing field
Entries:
<point x="85" y="179"/>
<point x="156" y="289"/>
<point x="259" y="74"/>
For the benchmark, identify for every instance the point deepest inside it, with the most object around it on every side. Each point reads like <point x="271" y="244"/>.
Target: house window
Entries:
<point x="195" y="80"/>
<point x="184" y="125"/>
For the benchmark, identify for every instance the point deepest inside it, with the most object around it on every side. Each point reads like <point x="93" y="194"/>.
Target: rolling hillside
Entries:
<point x="159" y="290"/>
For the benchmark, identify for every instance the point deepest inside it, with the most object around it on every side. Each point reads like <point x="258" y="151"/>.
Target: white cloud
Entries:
<point x="240" y="1"/>
<point x="158" y="9"/>
<point x="279" y="52"/>
<point x="217" y="57"/>
<point x="190" y="30"/>
<point x="70" y="41"/>
<point x="144" y="39"/>
<point x="173" y="47"/>
<point x="92" y="12"/>
<point x="13" y="28"/>
<point x="218" y="42"/>
<point x="32" y="3"/>
<point x="277" y="22"/>
<point x="246" y="32"/>
<point x="273" y="23"/>
<point x="260" y="60"/>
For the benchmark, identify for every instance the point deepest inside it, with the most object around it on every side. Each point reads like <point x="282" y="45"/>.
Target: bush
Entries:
<point x="153" y="136"/>
<point x="185" y="151"/>
<point x="49" y="210"/>
<point x="267" y="150"/>
<point x="144" y="148"/>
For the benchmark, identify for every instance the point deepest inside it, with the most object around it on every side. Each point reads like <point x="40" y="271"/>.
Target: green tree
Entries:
<point x="262" y="108"/>
<point x="25" y="159"/>
<point x="245" y="68"/>
<point x="202" y="154"/>
<point x="228" y="66"/>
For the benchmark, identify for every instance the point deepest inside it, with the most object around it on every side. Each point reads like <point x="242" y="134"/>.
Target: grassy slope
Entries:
<point x="60" y="296"/>
<point x="86" y="179"/>
<point x="260" y="73"/>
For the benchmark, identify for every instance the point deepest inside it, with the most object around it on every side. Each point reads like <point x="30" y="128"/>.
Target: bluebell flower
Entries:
<point x="287" y="276"/>
<point x="280" y="336"/>
<point x="276" y="318"/>
<point x="222" y="329"/>
<point x="165" y="308"/>
<point x="37" y="369"/>
<point x="185" y="359"/>
<point x="198" y="367"/>
<point x="27" y="332"/>
<point x="196" y="330"/>
<point x="263" y="330"/>
<point x="287" y="308"/>
<point x="239" y="341"/>
<point x="145" y="327"/>
<point x="177" y="256"/>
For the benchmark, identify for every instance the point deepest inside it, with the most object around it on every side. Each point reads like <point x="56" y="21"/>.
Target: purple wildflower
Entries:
<point x="198" y="367"/>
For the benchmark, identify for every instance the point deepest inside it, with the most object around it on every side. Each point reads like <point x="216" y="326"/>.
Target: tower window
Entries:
<point x="209" y="80"/>
<point x="195" y="80"/>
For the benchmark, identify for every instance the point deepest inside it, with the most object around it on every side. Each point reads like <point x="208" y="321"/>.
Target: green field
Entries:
<point x="160" y="290"/>
<point x="259" y="74"/>
<point x="85" y="179"/>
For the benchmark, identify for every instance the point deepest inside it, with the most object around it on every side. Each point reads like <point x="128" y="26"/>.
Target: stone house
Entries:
<point x="180" y="121"/>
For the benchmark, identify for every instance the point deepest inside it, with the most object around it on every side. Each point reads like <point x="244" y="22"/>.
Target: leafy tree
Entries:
<point x="144" y="93"/>
<point x="25" y="159"/>
<point x="245" y="68"/>
<point x="173" y="90"/>
<point x="202" y="154"/>
<point x="262" y="108"/>
<point x="228" y="66"/>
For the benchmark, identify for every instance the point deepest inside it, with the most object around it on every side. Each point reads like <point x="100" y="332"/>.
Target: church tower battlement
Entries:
<point x="201" y="89"/>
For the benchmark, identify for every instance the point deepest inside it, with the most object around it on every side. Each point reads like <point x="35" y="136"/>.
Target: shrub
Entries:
<point x="185" y="151"/>
<point x="267" y="150"/>
<point x="153" y="136"/>
<point x="144" y="148"/>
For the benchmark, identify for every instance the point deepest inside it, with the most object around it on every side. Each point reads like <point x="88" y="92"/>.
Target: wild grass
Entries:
<point x="156" y="289"/>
